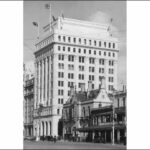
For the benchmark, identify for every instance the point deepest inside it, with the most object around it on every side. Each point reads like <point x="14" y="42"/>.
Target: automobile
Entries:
<point x="30" y="138"/>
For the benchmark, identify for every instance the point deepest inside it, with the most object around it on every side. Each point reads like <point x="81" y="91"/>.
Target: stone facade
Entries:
<point x="73" y="53"/>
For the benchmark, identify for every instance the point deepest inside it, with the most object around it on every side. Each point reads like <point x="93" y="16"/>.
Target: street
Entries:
<point x="69" y="145"/>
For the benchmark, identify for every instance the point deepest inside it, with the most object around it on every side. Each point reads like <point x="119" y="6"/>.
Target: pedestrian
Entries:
<point x="55" y="139"/>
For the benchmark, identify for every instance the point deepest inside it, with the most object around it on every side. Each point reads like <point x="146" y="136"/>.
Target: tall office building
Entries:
<point x="72" y="53"/>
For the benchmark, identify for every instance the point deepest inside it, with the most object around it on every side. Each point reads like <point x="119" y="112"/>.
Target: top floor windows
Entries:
<point x="74" y="40"/>
<point x="95" y="43"/>
<point x="109" y="45"/>
<point x="61" y="57"/>
<point x="85" y="41"/>
<point x="99" y="43"/>
<point x="79" y="41"/>
<point x="113" y="45"/>
<point x="59" y="38"/>
<point x="81" y="59"/>
<point x="71" y="58"/>
<point x="69" y="39"/>
<point x="64" y="39"/>
<point x="90" y="42"/>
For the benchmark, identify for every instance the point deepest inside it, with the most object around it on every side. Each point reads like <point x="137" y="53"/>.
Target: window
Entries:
<point x="94" y="43"/>
<point x="69" y="93"/>
<point x="113" y="45"/>
<point x="70" y="67"/>
<point x="110" y="87"/>
<point x="61" y="66"/>
<point x="74" y="50"/>
<point x="109" y="54"/>
<point x="104" y="53"/>
<point x="85" y="41"/>
<point x="94" y="52"/>
<point x="84" y="51"/>
<point x="61" y="57"/>
<point x="101" y="70"/>
<point x="59" y="48"/>
<point x="83" y="111"/>
<point x="99" y="52"/>
<point x="74" y="40"/>
<point x="111" y="62"/>
<point x="81" y="59"/>
<point x="59" y="38"/>
<point x="68" y="49"/>
<point x="62" y="101"/>
<point x="110" y="79"/>
<point x="60" y="74"/>
<point x="113" y="54"/>
<point x="89" y="42"/>
<point x="61" y="83"/>
<point x="70" y="84"/>
<point x="69" y="39"/>
<point x="81" y="76"/>
<point x="59" y="100"/>
<point x="89" y="51"/>
<point x="60" y="92"/>
<point x="64" y="48"/>
<point x="91" y="60"/>
<point x="91" y="77"/>
<point x="111" y="71"/>
<point x="70" y="75"/>
<point x="99" y="43"/>
<point x="91" y="69"/>
<point x="104" y="44"/>
<point x="71" y="58"/>
<point x="109" y="45"/>
<point x="101" y="61"/>
<point x="92" y="86"/>
<point x="81" y="68"/>
<point x="58" y="111"/>
<point x="79" y="50"/>
<point x="79" y="41"/>
<point x="64" y="39"/>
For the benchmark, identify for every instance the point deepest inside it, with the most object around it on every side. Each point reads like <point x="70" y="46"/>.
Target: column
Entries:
<point x="39" y="81"/>
<point x="49" y="82"/>
<point x="46" y="72"/>
<point x="118" y="136"/>
<point x="42" y="92"/>
<point x="35" y="85"/>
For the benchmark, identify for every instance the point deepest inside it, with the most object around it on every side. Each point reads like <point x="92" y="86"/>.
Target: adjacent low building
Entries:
<point x="28" y="105"/>
<point x="88" y="115"/>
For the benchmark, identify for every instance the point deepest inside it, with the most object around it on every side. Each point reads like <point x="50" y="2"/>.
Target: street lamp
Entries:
<point x="113" y="126"/>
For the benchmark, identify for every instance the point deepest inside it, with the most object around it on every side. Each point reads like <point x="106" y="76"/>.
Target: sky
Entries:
<point x="95" y="11"/>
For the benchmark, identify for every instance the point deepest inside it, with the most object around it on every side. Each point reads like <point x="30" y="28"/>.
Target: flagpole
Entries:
<point x="50" y="17"/>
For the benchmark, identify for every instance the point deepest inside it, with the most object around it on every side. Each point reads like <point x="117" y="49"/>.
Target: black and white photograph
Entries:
<point x="74" y="75"/>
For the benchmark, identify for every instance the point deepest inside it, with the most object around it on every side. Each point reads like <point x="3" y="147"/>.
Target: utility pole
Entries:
<point x="113" y="125"/>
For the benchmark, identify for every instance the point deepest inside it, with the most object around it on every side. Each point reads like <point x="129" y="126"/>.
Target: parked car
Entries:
<point x="30" y="138"/>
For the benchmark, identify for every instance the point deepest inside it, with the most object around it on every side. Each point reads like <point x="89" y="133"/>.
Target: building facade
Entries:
<point x="72" y="53"/>
<point x="77" y="109"/>
<point x="90" y="118"/>
<point x="28" y="105"/>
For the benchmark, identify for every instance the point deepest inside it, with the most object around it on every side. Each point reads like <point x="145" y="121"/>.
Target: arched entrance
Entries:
<point x="60" y="127"/>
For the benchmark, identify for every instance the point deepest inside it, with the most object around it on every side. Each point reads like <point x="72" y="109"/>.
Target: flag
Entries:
<point x="54" y="19"/>
<point x="111" y="20"/>
<point x="47" y="6"/>
<point x="62" y="15"/>
<point x="35" y="24"/>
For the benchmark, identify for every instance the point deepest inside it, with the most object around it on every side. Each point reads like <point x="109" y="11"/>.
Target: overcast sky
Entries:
<point x="96" y="11"/>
